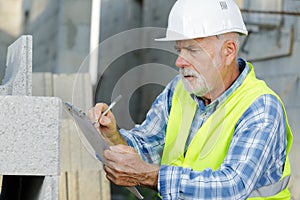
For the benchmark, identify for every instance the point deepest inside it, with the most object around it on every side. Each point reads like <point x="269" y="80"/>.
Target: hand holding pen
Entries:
<point x="107" y="126"/>
<point x="113" y="103"/>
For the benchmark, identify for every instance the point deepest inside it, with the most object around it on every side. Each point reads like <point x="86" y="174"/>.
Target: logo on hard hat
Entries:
<point x="223" y="5"/>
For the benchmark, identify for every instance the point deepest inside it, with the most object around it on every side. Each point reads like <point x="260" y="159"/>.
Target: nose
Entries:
<point x="181" y="62"/>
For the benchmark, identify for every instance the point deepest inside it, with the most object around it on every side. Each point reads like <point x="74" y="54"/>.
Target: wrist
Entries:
<point x="151" y="176"/>
<point x="116" y="138"/>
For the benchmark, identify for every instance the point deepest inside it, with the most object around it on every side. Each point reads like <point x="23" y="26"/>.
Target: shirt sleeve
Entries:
<point x="255" y="158"/>
<point x="148" y="137"/>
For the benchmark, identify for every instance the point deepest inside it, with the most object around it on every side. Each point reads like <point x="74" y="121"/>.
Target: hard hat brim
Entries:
<point x="171" y="39"/>
<point x="178" y="37"/>
<point x="173" y="36"/>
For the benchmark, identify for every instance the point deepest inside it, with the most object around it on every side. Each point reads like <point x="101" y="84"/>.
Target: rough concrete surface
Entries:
<point x="29" y="135"/>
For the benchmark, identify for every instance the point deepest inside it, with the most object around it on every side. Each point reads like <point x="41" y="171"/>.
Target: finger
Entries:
<point x="109" y="173"/>
<point x="105" y="121"/>
<point x="91" y="114"/>
<point x="118" y="177"/>
<point x="114" y="160"/>
<point x="99" y="108"/>
<point x="111" y="157"/>
<point x="122" y="149"/>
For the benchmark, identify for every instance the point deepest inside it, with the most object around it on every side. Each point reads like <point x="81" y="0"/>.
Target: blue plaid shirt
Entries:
<point x="255" y="157"/>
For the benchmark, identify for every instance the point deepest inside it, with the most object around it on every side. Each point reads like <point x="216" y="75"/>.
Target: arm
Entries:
<point x="129" y="167"/>
<point x="255" y="158"/>
<point x="147" y="138"/>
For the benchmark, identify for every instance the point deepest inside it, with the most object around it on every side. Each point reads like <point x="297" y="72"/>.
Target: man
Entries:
<point x="215" y="132"/>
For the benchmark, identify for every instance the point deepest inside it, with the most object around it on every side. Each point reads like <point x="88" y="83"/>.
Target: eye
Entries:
<point x="193" y="50"/>
<point x="177" y="49"/>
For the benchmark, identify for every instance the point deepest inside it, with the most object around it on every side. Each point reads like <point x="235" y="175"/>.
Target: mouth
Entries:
<point x="188" y="77"/>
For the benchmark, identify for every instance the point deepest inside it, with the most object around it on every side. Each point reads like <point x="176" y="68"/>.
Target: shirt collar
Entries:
<point x="244" y="70"/>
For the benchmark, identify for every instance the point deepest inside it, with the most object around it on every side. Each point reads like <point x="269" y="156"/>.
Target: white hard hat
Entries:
<point x="190" y="19"/>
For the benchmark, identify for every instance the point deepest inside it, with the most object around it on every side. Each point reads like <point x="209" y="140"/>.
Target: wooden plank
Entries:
<point x="42" y="84"/>
<point x="63" y="187"/>
<point x="82" y="176"/>
<point x="81" y="185"/>
<point x="89" y="185"/>
<point x="73" y="185"/>
<point x="104" y="185"/>
<point x="76" y="89"/>
<point x="71" y="147"/>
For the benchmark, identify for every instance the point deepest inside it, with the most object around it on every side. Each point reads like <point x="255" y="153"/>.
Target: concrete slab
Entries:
<point x="29" y="135"/>
<point x="18" y="74"/>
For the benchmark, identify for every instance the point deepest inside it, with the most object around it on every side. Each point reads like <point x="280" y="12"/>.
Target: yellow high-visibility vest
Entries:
<point x="210" y="144"/>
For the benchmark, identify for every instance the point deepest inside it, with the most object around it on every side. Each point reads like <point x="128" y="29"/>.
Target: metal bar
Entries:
<point x="94" y="40"/>
<point x="270" y="12"/>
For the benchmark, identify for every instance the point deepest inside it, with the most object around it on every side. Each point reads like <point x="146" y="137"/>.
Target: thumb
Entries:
<point x="105" y="121"/>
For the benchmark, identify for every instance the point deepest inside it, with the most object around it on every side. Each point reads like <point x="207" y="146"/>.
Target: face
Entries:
<point x="199" y="63"/>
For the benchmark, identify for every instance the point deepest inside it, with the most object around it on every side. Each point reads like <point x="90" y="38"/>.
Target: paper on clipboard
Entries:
<point x="95" y="140"/>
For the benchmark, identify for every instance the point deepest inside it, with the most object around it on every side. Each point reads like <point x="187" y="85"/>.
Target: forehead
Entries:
<point x="198" y="42"/>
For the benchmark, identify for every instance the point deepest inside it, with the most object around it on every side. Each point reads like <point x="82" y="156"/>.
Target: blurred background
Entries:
<point x="76" y="36"/>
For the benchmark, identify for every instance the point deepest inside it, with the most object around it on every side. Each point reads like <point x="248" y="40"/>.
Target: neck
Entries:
<point x="228" y="77"/>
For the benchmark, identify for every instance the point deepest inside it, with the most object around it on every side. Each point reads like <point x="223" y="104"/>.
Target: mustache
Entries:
<point x="188" y="72"/>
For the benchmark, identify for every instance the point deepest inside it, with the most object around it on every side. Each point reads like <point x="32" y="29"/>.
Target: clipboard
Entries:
<point x="95" y="140"/>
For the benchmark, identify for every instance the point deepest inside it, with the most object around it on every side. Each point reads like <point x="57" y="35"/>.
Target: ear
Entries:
<point x="229" y="51"/>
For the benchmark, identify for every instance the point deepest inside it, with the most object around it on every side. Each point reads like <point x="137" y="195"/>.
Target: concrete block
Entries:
<point x="69" y="61"/>
<point x="127" y="15"/>
<point x="274" y="46"/>
<point x="288" y="89"/>
<point x="49" y="189"/>
<point x="29" y="135"/>
<point x="18" y="75"/>
<point x="156" y="16"/>
<point x="278" y="67"/>
<point x="263" y="19"/>
<point x="75" y="7"/>
<point x="40" y="62"/>
<point x="81" y="45"/>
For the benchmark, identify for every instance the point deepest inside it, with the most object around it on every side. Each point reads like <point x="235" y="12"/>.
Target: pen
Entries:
<point x="113" y="103"/>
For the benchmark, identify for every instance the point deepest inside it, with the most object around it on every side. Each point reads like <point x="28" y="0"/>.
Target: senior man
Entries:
<point x="216" y="131"/>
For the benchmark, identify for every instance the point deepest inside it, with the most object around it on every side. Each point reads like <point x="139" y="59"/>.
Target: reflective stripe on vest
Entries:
<point x="271" y="190"/>
<point x="210" y="144"/>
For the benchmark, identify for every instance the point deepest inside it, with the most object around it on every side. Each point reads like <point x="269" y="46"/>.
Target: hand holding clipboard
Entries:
<point x="95" y="140"/>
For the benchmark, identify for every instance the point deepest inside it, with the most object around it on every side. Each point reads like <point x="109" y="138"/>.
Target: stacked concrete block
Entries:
<point x="17" y="79"/>
<point x="29" y="135"/>
<point x="29" y="131"/>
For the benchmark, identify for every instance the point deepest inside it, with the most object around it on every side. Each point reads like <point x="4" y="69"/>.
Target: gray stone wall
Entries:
<point x="73" y="45"/>
<point x="10" y="26"/>
<point x="60" y="30"/>
<point x="42" y="22"/>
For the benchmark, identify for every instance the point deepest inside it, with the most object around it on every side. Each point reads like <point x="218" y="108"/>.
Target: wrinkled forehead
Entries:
<point x="197" y="43"/>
